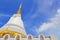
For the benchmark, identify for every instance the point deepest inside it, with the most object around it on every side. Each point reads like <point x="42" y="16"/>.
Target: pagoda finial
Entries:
<point x="19" y="10"/>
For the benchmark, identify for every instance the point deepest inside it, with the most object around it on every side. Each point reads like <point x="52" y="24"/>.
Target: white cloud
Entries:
<point x="5" y="15"/>
<point x="42" y="7"/>
<point x="55" y="22"/>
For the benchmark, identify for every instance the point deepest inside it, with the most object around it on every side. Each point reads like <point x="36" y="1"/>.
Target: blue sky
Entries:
<point x="39" y="16"/>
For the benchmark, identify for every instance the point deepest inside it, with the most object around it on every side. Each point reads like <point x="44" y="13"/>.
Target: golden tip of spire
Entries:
<point x="19" y="11"/>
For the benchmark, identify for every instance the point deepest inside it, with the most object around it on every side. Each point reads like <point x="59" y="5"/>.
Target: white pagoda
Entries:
<point x="14" y="26"/>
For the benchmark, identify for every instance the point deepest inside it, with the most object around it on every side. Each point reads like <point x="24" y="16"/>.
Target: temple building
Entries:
<point x="14" y="30"/>
<point x="14" y="26"/>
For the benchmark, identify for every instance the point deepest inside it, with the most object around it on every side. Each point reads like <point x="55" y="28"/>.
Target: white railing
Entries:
<point x="28" y="37"/>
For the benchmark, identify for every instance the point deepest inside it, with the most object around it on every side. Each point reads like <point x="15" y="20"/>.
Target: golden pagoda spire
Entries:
<point x="19" y="10"/>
